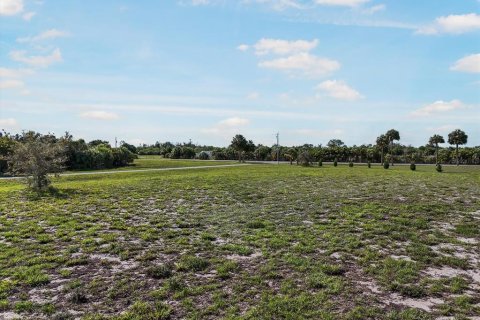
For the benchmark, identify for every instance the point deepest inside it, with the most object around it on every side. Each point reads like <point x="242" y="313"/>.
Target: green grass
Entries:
<point x="249" y="242"/>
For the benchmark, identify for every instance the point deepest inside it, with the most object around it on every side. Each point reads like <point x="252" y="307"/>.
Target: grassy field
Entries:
<point x="249" y="242"/>
<point x="157" y="162"/>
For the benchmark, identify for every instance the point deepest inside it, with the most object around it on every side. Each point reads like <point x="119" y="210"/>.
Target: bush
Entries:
<point x="438" y="167"/>
<point x="161" y="271"/>
<point x="203" y="156"/>
<point x="369" y="164"/>
<point x="413" y="167"/>
<point x="350" y="164"/>
<point x="386" y="165"/>
<point x="320" y="163"/>
<point x="335" y="162"/>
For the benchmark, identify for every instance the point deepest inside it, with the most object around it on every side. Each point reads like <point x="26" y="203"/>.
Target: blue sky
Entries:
<point x="205" y="70"/>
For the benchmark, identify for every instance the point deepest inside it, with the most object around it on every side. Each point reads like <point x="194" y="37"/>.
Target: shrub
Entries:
<point x="438" y="167"/>
<point x="386" y="165"/>
<point x="335" y="162"/>
<point x="161" y="271"/>
<point x="413" y="167"/>
<point x="192" y="263"/>
<point x="203" y="156"/>
<point x="369" y="164"/>
<point x="320" y="163"/>
<point x="350" y="164"/>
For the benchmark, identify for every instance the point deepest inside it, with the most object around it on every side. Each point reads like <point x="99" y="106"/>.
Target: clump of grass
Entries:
<point x="78" y="296"/>
<point x="160" y="271"/>
<point x="208" y="236"/>
<point x="192" y="263"/>
<point x="468" y="229"/>
<point x="332" y="269"/>
<point x="145" y="311"/>
<point x="256" y="224"/>
<point x="224" y="270"/>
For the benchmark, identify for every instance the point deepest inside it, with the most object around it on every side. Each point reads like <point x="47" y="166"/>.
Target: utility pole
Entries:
<point x="278" y="149"/>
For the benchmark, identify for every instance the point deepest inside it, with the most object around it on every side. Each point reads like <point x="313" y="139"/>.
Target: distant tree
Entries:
<point x="291" y="155"/>
<point x="6" y="148"/>
<point x="392" y="135"/>
<point x="434" y="141"/>
<point x="130" y="147"/>
<point x="36" y="159"/>
<point x="304" y="158"/>
<point x="335" y="143"/>
<point x="382" y="143"/>
<point x="240" y="145"/>
<point x="98" y="142"/>
<point x="457" y="137"/>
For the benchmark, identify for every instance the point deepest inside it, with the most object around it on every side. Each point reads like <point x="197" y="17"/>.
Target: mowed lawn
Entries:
<point x="248" y="242"/>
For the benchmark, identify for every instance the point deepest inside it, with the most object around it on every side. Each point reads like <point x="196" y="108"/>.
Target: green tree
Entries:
<point x="457" y="137"/>
<point x="392" y="135"/>
<point x="382" y="143"/>
<point x="36" y="159"/>
<point x="434" y="141"/>
<point x="240" y="145"/>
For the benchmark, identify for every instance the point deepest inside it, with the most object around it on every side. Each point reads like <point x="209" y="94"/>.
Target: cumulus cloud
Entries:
<point x="11" y="7"/>
<point x="46" y="35"/>
<point x="470" y="64"/>
<point x="11" y="84"/>
<point x="228" y="125"/>
<point x="438" y="107"/>
<point x="453" y="24"/>
<point x="99" y="115"/>
<point x="243" y="47"/>
<point x="302" y="64"/>
<point x="343" y="3"/>
<point x="37" y="61"/>
<point x="8" y="123"/>
<point x="283" y="47"/>
<point x="339" y="90"/>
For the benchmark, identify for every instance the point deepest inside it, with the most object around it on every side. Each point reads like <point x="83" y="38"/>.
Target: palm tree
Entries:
<point x="457" y="137"/>
<point x="382" y="142"/>
<point x="435" y="140"/>
<point x="392" y="135"/>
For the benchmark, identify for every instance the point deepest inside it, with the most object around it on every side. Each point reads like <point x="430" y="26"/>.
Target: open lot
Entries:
<point x="249" y="242"/>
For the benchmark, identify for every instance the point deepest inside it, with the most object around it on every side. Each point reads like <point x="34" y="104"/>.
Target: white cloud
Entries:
<point x="438" y="107"/>
<point x="243" y="47"/>
<point x="374" y="9"/>
<point x="8" y="123"/>
<point x="443" y="129"/>
<point x="283" y="47"/>
<point x="10" y="7"/>
<point x="49" y="34"/>
<point x="339" y="90"/>
<point x="28" y="15"/>
<point x="453" y="24"/>
<point x="303" y="64"/>
<point x="229" y="125"/>
<point x="278" y="5"/>
<point x="469" y="64"/>
<point x="14" y="73"/>
<point x="37" y="61"/>
<point x="344" y="3"/>
<point x="11" y="84"/>
<point x="99" y="115"/>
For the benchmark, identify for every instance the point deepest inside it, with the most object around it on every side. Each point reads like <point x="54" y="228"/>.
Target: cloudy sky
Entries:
<point x="204" y="70"/>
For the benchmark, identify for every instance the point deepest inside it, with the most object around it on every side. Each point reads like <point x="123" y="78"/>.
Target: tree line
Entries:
<point x="385" y="148"/>
<point x="36" y="155"/>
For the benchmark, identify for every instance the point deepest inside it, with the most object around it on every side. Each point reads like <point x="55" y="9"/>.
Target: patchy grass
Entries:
<point x="250" y="242"/>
